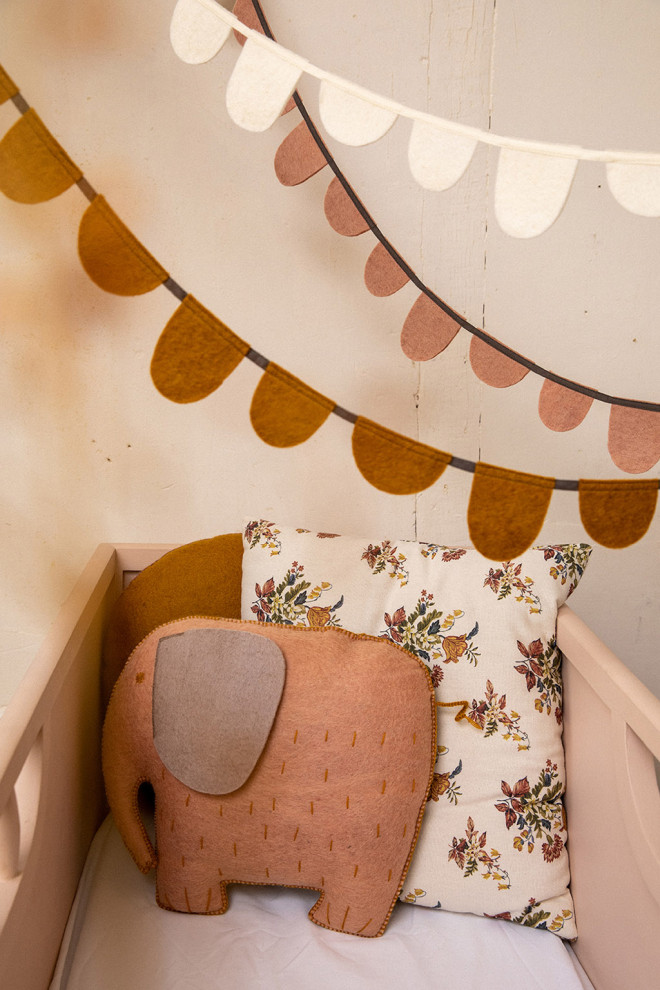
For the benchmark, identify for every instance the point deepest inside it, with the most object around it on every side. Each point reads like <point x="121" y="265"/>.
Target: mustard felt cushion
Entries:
<point x="200" y="578"/>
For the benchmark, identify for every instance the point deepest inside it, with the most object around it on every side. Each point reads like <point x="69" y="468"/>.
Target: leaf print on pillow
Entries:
<point x="541" y="669"/>
<point x="384" y="557"/>
<point x="445" y="783"/>
<point x="490" y="713"/>
<point x="412" y="895"/>
<point x="507" y="580"/>
<point x="260" y="532"/>
<point x="537" y="812"/>
<point x="470" y="853"/>
<point x="431" y="550"/>
<point x="423" y="633"/>
<point x="534" y="916"/>
<point x="291" y="602"/>
<point x="455" y="647"/>
<point x="569" y="561"/>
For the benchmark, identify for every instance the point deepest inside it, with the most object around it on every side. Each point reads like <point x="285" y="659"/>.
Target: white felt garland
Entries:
<point x="534" y="178"/>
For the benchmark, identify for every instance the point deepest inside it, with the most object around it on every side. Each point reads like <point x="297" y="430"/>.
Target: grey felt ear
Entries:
<point x="215" y="696"/>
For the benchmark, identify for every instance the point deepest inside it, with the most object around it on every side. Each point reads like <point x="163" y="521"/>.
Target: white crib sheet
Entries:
<point x="117" y="938"/>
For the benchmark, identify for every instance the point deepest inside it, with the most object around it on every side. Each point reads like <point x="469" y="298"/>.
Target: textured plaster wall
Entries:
<point x="91" y="451"/>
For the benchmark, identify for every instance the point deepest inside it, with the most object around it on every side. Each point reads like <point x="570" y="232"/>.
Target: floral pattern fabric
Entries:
<point x="486" y="633"/>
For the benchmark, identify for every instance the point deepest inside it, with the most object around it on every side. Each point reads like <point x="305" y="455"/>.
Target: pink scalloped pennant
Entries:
<point x="298" y="157"/>
<point x="634" y="438"/>
<point x="427" y="330"/>
<point x="341" y="212"/>
<point x="561" y="408"/>
<point x="493" y="367"/>
<point x="382" y="274"/>
<point x="244" y="10"/>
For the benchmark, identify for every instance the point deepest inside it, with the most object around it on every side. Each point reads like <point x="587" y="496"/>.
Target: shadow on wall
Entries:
<point x="88" y="27"/>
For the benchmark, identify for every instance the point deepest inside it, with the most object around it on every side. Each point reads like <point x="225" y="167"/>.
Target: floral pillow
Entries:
<point x="487" y="634"/>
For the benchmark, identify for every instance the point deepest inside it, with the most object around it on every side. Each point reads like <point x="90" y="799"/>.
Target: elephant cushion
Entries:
<point x="277" y="755"/>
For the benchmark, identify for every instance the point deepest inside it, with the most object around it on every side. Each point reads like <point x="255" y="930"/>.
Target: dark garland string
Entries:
<point x="414" y="278"/>
<point x="460" y="463"/>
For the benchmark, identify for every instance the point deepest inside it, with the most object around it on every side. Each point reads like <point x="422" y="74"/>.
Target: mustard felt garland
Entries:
<point x="196" y="352"/>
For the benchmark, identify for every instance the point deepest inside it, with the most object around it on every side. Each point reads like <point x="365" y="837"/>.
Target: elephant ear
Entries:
<point x="215" y="696"/>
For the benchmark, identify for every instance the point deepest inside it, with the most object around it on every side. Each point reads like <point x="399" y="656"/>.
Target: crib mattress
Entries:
<point x="117" y="938"/>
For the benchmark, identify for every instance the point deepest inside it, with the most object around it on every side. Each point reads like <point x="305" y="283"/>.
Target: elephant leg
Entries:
<point x="355" y="907"/>
<point x="190" y="886"/>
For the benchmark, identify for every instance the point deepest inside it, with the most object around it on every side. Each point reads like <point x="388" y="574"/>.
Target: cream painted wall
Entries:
<point x="92" y="452"/>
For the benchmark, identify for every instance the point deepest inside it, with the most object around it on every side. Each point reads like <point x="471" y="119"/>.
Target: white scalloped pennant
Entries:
<point x="530" y="191"/>
<point x="197" y="32"/>
<point x="635" y="187"/>
<point x="438" y="157"/>
<point x="349" y="118"/>
<point x="259" y="87"/>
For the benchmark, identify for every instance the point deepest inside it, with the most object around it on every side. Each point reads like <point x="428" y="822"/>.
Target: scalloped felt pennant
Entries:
<point x="617" y="514"/>
<point x="112" y="256"/>
<point x="341" y="212"/>
<point x="33" y="166"/>
<point x="530" y="191"/>
<point x="284" y="411"/>
<point x="196" y="32"/>
<point x="349" y="118"/>
<point x="298" y="157"/>
<point x="561" y="408"/>
<point x="427" y="330"/>
<point x="493" y="367"/>
<point x="394" y="463"/>
<point x="636" y="187"/>
<point x="259" y="87"/>
<point x="8" y="88"/>
<point x="438" y="158"/>
<point x="383" y="276"/>
<point x="506" y="510"/>
<point x="195" y="353"/>
<point x="246" y="13"/>
<point x="634" y="439"/>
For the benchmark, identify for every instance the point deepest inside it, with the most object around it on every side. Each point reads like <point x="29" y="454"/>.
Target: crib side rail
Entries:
<point x="612" y="739"/>
<point x="51" y="794"/>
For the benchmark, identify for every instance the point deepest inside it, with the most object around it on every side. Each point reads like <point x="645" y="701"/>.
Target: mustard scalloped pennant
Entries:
<point x="394" y="463"/>
<point x="112" y="256"/>
<point x="506" y="510"/>
<point x="33" y="166"/>
<point x="285" y="411"/>
<point x="195" y="353"/>
<point x="617" y="513"/>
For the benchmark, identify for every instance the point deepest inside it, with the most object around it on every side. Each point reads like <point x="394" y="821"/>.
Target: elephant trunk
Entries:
<point x="128" y="763"/>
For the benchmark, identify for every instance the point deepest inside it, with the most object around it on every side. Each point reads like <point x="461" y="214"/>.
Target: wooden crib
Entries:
<point x="52" y="800"/>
